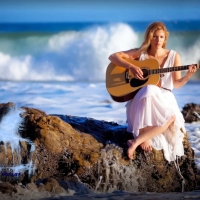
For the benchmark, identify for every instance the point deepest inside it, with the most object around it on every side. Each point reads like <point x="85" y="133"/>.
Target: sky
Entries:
<point x="97" y="10"/>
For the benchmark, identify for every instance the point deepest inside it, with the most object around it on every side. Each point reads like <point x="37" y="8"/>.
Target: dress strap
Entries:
<point x="143" y="56"/>
<point x="171" y="59"/>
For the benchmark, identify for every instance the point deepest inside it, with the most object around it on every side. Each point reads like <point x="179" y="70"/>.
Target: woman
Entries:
<point x="153" y="115"/>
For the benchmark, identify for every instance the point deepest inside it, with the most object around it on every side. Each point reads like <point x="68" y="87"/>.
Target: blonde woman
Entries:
<point x="153" y="115"/>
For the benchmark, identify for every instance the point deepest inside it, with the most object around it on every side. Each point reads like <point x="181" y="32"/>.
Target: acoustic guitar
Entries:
<point x="121" y="84"/>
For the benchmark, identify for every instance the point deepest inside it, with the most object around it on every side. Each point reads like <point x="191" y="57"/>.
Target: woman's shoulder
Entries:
<point x="167" y="51"/>
<point x="172" y="51"/>
<point x="174" y="55"/>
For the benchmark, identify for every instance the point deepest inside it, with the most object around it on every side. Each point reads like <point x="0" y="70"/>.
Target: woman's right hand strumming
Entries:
<point x="136" y="71"/>
<point x="119" y="58"/>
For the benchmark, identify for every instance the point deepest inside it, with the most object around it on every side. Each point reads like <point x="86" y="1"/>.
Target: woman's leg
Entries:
<point x="148" y="134"/>
<point x="146" y="145"/>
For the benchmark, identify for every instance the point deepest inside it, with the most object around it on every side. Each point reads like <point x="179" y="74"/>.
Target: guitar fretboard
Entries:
<point x="169" y="69"/>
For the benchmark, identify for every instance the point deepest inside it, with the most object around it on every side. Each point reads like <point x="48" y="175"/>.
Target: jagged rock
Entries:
<point x="93" y="152"/>
<point x="4" y="108"/>
<point x="7" y="188"/>
<point x="191" y="112"/>
<point x="51" y="185"/>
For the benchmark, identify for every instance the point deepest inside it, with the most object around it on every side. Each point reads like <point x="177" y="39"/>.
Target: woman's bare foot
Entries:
<point x="131" y="148"/>
<point x="146" y="146"/>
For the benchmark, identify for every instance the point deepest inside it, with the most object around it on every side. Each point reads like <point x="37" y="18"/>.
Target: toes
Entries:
<point x="146" y="148"/>
<point x="130" y="156"/>
<point x="149" y="148"/>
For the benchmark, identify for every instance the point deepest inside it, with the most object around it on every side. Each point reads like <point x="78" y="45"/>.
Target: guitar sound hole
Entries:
<point x="137" y="82"/>
<point x="145" y="73"/>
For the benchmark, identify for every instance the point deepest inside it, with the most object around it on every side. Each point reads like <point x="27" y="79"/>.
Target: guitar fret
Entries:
<point x="169" y="69"/>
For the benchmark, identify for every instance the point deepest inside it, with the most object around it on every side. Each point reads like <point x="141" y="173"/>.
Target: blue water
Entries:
<point x="175" y="25"/>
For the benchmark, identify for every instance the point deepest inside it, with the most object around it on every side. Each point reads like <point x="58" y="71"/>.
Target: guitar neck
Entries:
<point x="171" y="69"/>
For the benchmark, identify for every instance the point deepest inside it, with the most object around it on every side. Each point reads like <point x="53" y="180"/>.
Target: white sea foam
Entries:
<point x="9" y="135"/>
<point x="78" y="55"/>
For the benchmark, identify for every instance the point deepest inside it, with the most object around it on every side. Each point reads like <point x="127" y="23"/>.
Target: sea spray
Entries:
<point x="113" y="174"/>
<point x="12" y="163"/>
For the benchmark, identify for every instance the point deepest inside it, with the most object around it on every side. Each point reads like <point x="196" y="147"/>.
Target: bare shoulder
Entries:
<point x="177" y="55"/>
<point x="177" y="59"/>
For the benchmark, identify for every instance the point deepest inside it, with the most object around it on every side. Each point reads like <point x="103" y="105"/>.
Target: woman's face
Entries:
<point x="158" y="39"/>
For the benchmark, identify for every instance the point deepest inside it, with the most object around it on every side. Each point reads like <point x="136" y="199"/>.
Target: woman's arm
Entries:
<point x="118" y="58"/>
<point x="177" y="79"/>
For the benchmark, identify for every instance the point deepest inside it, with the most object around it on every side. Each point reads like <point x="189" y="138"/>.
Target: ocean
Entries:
<point x="60" y="67"/>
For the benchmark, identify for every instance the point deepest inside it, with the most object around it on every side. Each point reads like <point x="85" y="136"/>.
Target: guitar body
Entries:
<point x="121" y="84"/>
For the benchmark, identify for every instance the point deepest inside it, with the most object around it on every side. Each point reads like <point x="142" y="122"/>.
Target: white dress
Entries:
<point x="154" y="106"/>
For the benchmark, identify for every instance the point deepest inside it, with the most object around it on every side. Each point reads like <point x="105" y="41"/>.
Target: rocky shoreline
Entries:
<point x="79" y="155"/>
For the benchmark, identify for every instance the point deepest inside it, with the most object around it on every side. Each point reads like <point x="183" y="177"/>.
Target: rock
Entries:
<point x="80" y="152"/>
<point x="7" y="188"/>
<point x="191" y="112"/>
<point x="51" y="185"/>
<point x="4" y="108"/>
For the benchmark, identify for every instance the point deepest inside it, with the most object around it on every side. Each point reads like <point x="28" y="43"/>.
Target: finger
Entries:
<point x="141" y="77"/>
<point x="141" y="74"/>
<point x="139" y="71"/>
<point x="193" y="68"/>
<point x="138" y="76"/>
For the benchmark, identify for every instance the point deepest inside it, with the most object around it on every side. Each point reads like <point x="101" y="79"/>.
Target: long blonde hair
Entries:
<point x="149" y="35"/>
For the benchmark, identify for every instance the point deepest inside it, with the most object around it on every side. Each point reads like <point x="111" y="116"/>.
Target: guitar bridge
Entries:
<point x="127" y="77"/>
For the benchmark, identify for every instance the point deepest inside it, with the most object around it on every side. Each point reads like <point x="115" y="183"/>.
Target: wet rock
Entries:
<point x="6" y="187"/>
<point x="191" y="112"/>
<point x="4" y="108"/>
<point x="51" y="185"/>
<point x="74" y="151"/>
